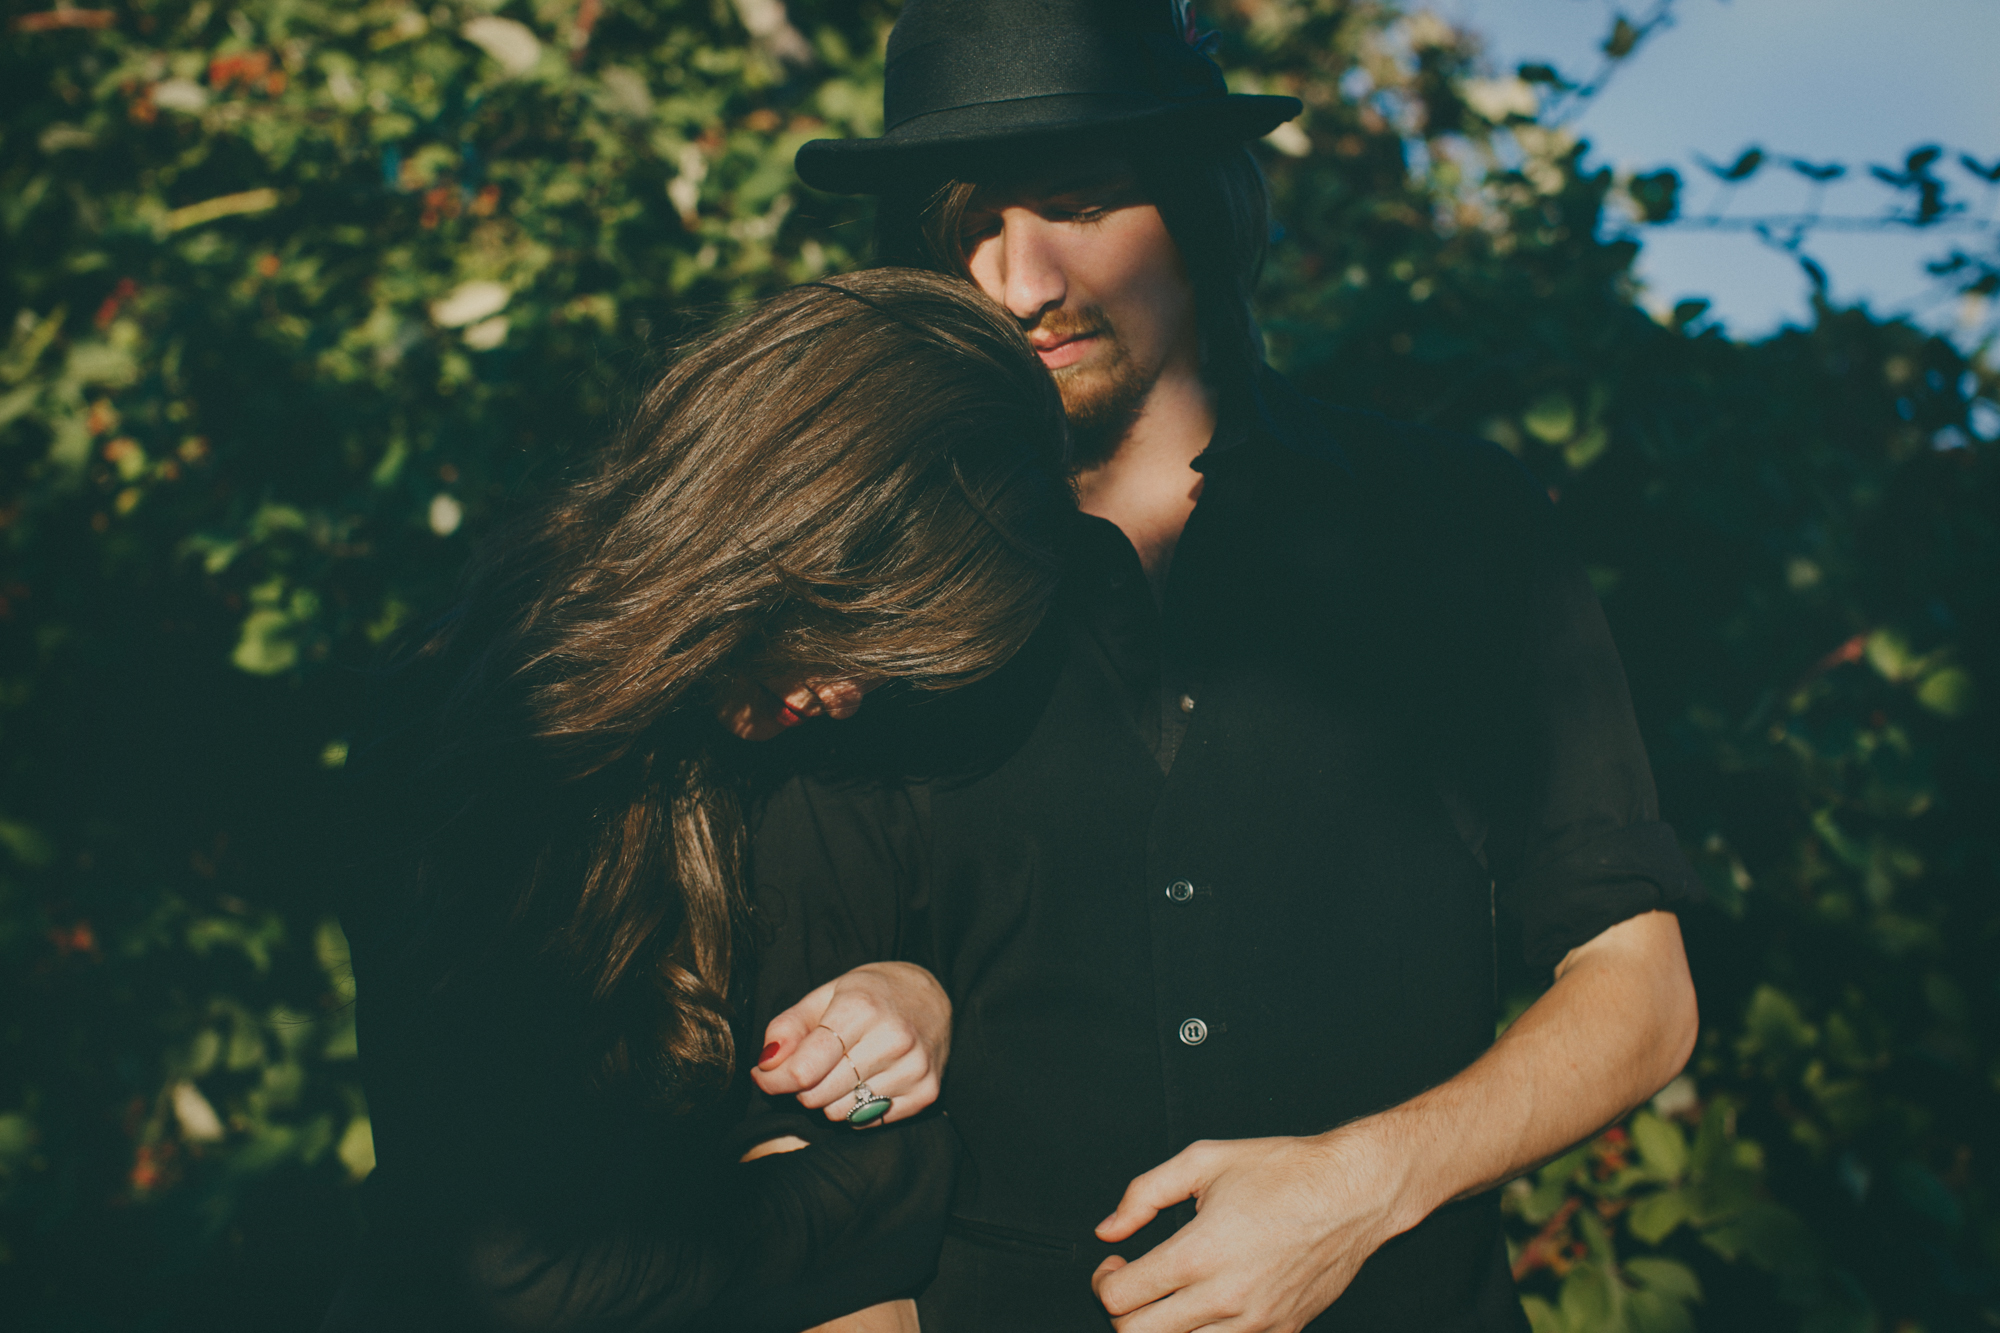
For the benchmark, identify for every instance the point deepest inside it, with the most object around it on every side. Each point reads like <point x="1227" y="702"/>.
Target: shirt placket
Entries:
<point x="1184" y="908"/>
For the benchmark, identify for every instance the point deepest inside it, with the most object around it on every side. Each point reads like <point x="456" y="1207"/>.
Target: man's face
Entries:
<point x="1082" y="258"/>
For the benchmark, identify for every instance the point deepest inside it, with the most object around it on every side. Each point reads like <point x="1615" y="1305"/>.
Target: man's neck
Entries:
<point x="1146" y="486"/>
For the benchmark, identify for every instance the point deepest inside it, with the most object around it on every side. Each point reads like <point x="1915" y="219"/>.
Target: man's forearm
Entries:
<point x="1618" y="1023"/>
<point x="1285" y="1223"/>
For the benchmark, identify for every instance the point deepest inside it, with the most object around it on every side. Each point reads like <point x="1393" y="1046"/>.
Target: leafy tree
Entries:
<point x="300" y="292"/>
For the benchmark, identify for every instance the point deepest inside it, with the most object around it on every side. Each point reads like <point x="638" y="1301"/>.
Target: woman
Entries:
<point x="858" y="483"/>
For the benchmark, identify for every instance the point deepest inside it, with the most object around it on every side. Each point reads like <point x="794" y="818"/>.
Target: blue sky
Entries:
<point x="1853" y="81"/>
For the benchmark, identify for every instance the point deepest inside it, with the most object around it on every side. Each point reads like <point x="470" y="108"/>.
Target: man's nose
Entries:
<point x="1025" y="274"/>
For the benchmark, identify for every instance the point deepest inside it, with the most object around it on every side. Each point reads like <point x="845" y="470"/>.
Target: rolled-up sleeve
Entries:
<point x="1577" y="845"/>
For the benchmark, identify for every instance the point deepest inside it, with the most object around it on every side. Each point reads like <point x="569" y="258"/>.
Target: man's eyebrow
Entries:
<point x="1089" y="178"/>
<point x="1051" y="187"/>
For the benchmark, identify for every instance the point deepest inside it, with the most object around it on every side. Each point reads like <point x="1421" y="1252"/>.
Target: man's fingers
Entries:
<point x="1179" y="1313"/>
<point x="1111" y="1264"/>
<point x="1181" y="1176"/>
<point x="1137" y="1290"/>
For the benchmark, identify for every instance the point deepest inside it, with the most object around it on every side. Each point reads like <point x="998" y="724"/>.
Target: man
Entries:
<point x="1210" y="871"/>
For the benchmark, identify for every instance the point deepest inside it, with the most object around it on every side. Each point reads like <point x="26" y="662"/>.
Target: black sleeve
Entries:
<point x="838" y="874"/>
<point x="512" y="1195"/>
<point x="1576" y="844"/>
<point x="787" y="1242"/>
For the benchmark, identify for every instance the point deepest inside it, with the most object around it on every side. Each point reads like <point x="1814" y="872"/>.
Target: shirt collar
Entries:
<point x="1270" y="413"/>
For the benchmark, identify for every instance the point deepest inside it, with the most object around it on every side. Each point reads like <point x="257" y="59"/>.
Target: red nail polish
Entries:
<point x="788" y="716"/>
<point x="769" y="1051"/>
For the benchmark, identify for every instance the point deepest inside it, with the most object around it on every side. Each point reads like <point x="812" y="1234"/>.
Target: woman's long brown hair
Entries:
<point x="858" y="478"/>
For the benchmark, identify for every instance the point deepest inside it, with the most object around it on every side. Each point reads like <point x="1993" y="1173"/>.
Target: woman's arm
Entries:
<point x="791" y="1240"/>
<point x="892" y="1317"/>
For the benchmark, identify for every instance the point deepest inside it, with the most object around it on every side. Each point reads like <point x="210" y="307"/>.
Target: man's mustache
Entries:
<point x="1066" y="324"/>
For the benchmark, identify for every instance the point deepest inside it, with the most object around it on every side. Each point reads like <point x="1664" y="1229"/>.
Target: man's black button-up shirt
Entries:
<point x="1225" y="865"/>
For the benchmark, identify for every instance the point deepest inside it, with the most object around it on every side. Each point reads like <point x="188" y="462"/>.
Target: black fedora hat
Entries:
<point x="969" y="74"/>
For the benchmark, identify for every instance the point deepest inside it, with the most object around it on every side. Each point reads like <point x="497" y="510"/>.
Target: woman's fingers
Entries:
<point x="757" y="710"/>
<point x="907" y="1082"/>
<point x="800" y="698"/>
<point x="887" y="1056"/>
<point x="836" y="699"/>
<point x="798" y="1050"/>
<point x="841" y="698"/>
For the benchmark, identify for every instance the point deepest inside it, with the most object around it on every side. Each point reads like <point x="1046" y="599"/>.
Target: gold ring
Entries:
<point x="859" y="1082"/>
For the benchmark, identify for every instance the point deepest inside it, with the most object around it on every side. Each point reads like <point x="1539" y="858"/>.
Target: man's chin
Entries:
<point x="1092" y="391"/>
<point x="1098" y="423"/>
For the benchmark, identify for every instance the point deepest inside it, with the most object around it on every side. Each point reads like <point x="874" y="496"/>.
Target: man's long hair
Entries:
<point x="860" y="478"/>
<point x="1212" y="197"/>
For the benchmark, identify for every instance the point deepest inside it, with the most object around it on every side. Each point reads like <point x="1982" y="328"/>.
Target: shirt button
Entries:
<point x="1180" y="890"/>
<point x="1187" y="703"/>
<point x="1194" y="1032"/>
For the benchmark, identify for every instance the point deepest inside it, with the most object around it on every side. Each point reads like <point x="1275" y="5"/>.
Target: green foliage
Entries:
<point x="1606" y="1218"/>
<point x="1796" y="542"/>
<point x="300" y="293"/>
<point x="297" y="295"/>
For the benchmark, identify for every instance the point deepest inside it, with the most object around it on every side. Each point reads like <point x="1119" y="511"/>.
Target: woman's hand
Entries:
<point x="890" y="1317"/>
<point x="885" y="1024"/>
<point x="757" y="710"/>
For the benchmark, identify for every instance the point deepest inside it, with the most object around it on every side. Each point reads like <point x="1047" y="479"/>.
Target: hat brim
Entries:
<point x="935" y="146"/>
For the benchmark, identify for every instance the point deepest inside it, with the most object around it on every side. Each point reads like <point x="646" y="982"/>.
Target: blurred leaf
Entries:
<point x="1742" y="169"/>
<point x="1665" y="1277"/>
<point x="1661" y="1145"/>
<point x="1622" y="39"/>
<point x="1657" y="195"/>
<point x="1654" y="1217"/>
<point x="1948" y="692"/>
<point x="357" y="1148"/>
<point x="1551" y="418"/>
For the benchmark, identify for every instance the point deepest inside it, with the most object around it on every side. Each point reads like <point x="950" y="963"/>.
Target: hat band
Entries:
<point x="980" y="68"/>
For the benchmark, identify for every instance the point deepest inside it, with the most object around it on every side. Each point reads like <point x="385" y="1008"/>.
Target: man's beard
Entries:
<point x="1101" y="397"/>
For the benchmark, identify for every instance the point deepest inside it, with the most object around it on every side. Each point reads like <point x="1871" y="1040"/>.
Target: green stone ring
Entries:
<point x="869" y="1106"/>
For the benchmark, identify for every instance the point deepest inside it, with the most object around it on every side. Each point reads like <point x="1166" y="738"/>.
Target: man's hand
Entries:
<point x="888" y="1024"/>
<point x="1283" y="1226"/>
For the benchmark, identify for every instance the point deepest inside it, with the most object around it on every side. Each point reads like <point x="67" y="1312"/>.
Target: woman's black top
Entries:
<point x="517" y="1189"/>
<point x="1229" y="866"/>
